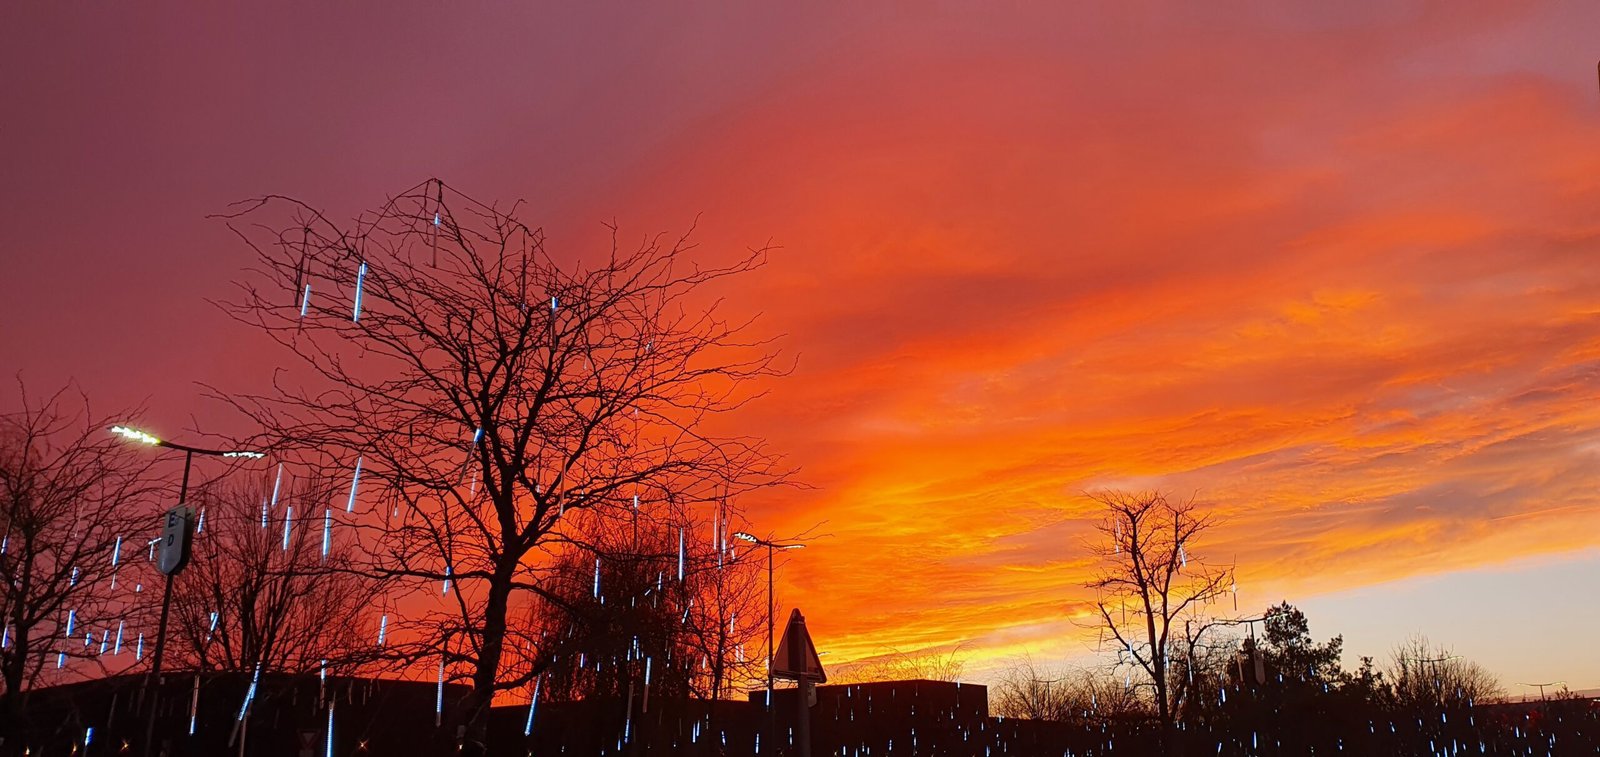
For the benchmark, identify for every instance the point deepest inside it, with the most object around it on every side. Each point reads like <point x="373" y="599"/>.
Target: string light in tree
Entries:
<point x="533" y="704"/>
<point x="355" y="481"/>
<point x="277" y="483"/>
<point x="438" y="700"/>
<point x="361" y="278"/>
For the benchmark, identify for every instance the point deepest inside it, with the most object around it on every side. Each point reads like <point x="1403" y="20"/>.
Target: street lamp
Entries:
<point x="1542" y="687"/>
<point x="143" y="437"/>
<point x="772" y="718"/>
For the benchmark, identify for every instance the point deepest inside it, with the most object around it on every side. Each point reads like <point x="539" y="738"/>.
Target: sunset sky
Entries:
<point x="1333" y="271"/>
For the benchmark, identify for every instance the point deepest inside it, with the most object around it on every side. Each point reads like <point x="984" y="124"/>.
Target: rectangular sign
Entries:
<point x="177" y="537"/>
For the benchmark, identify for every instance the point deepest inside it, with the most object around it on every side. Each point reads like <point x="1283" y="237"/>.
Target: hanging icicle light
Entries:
<point x="438" y="700"/>
<point x="305" y="299"/>
<point x="250" y="694"/>
<point x="361" y="278"/>
<point x="355" y="481"/>
<point x="277" y="482"/>
<point x="194" y="704"/>
<point x="533" y="704"/>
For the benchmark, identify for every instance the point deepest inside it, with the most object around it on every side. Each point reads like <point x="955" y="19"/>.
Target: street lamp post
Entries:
<point x="154" y="676"/>
<point x="772" y="547"/>
<point x="1542" y="687"/>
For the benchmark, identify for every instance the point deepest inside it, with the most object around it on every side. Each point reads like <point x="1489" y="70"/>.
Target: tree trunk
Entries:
<point x="16" y="665"/>
<point x="708" y="745"/>
<point x="473" y="713"/>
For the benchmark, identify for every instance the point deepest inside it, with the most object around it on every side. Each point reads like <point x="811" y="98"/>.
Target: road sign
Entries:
<point x="796" y="658"/>
<point x="177" y="536"/>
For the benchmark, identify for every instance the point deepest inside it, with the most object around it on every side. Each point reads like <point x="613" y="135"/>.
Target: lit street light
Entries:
<point x="772" y="547"/>
<point x="166" y="591"/>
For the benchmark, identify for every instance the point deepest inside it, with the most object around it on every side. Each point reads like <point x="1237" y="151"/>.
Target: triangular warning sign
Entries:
<point x="796" y="658"/>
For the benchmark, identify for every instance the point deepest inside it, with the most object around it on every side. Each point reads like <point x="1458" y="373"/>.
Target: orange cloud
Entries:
<point x="1345" y="295"/>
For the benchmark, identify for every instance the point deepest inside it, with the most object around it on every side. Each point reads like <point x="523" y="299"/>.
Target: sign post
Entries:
<point x="177" y="541"/>
<point x="797" y="660"/>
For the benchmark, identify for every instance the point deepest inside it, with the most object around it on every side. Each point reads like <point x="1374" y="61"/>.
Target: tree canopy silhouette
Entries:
<point x="72" y="500"/>
<point x="486" y="391"/>
<point x="1152" y="591"/>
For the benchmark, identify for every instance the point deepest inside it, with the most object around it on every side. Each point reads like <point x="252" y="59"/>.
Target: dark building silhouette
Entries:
<point x="289" y="716"/>
<point x="888" y="718"/>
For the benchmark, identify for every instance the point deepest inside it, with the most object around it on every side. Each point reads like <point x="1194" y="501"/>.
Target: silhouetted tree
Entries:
<point x="652" y="613"/>
<point x="727" y="608"/>
<point x="488" y="391"/>
<point x="928" y="665"/>
<point x="270" y="585"/>
<point x="1151" y="581"/>
<point x="1025" y="690"/>
<point x="1200" y="664"/>
<point x="1303" y="700"/>
<point x="1429" y="678"/>
<point x="75" y="506"/>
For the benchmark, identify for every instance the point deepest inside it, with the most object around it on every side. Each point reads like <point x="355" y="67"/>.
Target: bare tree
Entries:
<point x="926" y="665"/>
<point x="644" y="587"/>
<point x="653" y="614"/>
<point x="270" y="585"/>
<point x="726" y="600"/>
<point x="1025" y="690"/>
<point x="73" y="504"/>
<point x="1429" y="677"/>
<point x="1202" y="650"/>
<point x="486" y="392"/>
<point x="1152" y="590"/>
